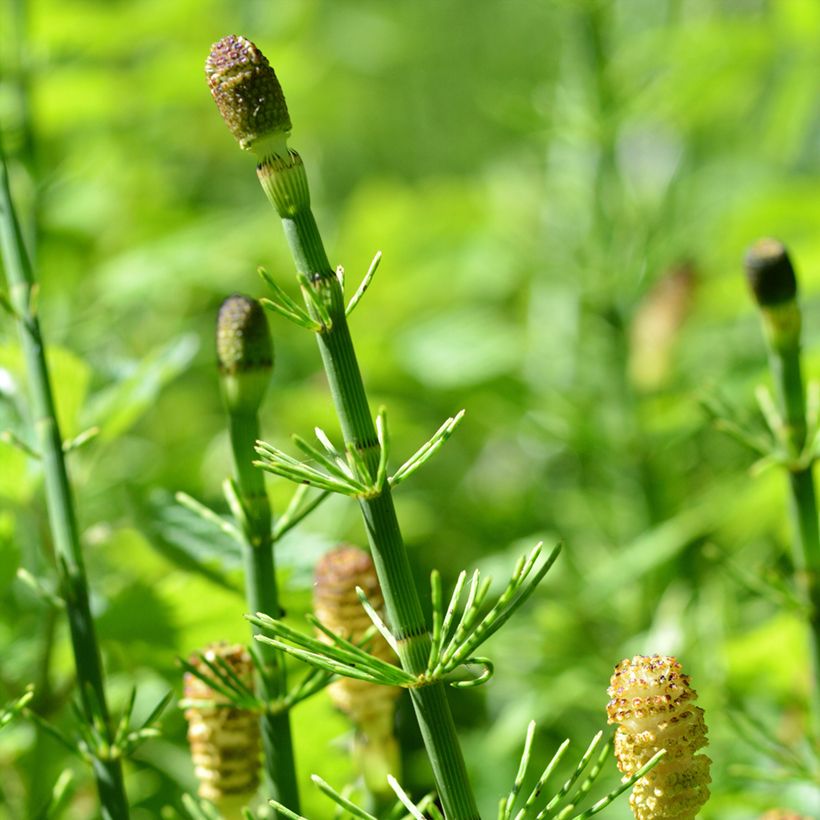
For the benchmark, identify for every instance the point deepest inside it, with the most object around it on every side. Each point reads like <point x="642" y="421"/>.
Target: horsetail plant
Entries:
<point x="796" y="432"/>
<point x="99" y="743"/>
<point x="790" y="441"/>
<point x="252" y="104"/>
<point x="245" y="359"/>
<point x="244" y="353"/>
<point x="251" y="101"/>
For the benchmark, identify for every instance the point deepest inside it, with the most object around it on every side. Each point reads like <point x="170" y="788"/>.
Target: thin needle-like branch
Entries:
<point x="297" y="510"/>
<point x="377" y="621"/>
<point x="365" y="284"/>
<point x="427" y="450"/>
<point x="507" y="805"/>
<point x="207" y="514"/>
<point x="404" y="799"/>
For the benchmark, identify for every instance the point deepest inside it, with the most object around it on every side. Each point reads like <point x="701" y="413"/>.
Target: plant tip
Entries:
<point x="244" y="352"/>
<point x="247" y="93"/>
<point x="243" y="340"/>
<point x="770" y="273"/>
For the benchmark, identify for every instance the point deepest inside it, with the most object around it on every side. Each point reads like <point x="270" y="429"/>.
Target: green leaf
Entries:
<point x="651" y="549"/>
<point x="188" y="540"/>
<point x="116" y="408"/>
<point x="460" y="348"/>
<point x="70" y="379"/>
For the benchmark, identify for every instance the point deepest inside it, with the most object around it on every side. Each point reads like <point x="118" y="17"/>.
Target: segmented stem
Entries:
<point x="61" y="511"/>
<point x="262" y="596"/>
<point x="785" y="366"/>
<point x="773" y="284"/>
<point x="285" y="182"/>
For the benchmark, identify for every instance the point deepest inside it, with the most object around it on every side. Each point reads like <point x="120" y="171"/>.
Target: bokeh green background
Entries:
<point x="531" y="170"/>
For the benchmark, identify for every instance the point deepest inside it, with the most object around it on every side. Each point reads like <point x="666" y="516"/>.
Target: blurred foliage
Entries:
<point x="536" y="174"/>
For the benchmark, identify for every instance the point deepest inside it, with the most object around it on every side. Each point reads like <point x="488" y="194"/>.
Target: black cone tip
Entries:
<point x="770" y="273"/>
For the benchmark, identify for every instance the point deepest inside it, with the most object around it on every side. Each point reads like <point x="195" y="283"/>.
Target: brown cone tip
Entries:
<point x="344" y="565"/>
<point x="770" y="273"/>
<point x="243" y="340"/>
<point x="335" y="600"/>
<point x="246" y="91"/>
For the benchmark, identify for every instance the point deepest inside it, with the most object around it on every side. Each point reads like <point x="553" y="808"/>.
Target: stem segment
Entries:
<point x="61" y="512"/>
<point x="285" y="182"/>
<point x="245" y="357"/>
<point x="786" y="370"/>
<point x="262" y="596"/>
<point x="774" y="285"/>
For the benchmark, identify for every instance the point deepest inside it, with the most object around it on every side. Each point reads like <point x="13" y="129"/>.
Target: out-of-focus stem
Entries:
<point x="262" y="596"/>
<point x="774" y="285"/>
<point x="61" y="512"/>
<point x="245" y="357"/>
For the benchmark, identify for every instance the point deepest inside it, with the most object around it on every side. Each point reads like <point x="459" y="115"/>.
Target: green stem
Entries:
<point x="62" y="518"/>
<point x="387" y="547"/>
<point x="786" y="369"/>
<point x="262" y="596"/>
<point x="38" y="782"/>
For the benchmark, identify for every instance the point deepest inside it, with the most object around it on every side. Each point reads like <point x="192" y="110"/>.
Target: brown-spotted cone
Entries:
<point x="243" y="341"/>
<point x="224" y="740"/>
<point x="337" y="605"/>
<point x="246" y="91"/>
<point x="651" y="700"/>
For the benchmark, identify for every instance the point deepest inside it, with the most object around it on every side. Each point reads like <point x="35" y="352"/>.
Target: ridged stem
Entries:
<point x="262" y="596"/>
<point x="61" y="511"/>
<point x="286" y="185"/>
<point x="784" y="359"/>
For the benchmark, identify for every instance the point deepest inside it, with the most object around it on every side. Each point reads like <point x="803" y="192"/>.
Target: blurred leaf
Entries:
<point x="137" y="617"/>
<point x="459" y="348"/>
<point x="650" y="550"/>
<point x="187" y="540"/>
<point x="9" y="551"/>
<point x="17" y="478"/>
<point x="117" y="408"/>
<point x="769" y="645"/>
<point x="70" y="378"/>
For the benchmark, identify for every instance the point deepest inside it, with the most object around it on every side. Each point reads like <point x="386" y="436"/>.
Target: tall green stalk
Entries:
<point x="61" y="512"/>
<point x="251" y="101"/>
<point x="774" y="286"/>
<point x="244" y="353"/>
<point x="386" y="544"/>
